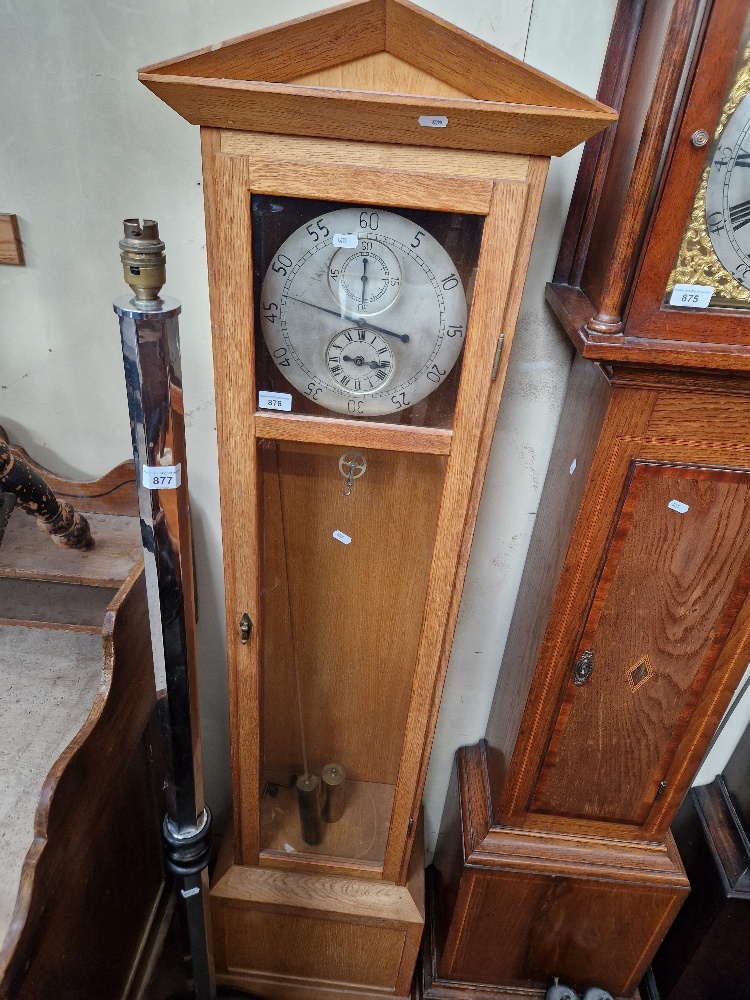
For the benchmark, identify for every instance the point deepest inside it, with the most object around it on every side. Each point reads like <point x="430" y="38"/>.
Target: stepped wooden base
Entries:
<point x="514" y="908"/>
<point x="284" y="934"/>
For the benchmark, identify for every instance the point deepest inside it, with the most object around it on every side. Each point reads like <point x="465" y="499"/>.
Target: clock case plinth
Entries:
<point x="555" y="856"/>
<point x="332" y="113"/>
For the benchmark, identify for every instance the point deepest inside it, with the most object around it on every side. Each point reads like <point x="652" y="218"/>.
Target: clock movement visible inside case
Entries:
<point x="363" y="311"/>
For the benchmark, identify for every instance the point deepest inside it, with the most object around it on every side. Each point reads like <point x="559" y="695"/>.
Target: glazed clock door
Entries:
<point x="698" y="256"/>
<point x="676" y="572"/>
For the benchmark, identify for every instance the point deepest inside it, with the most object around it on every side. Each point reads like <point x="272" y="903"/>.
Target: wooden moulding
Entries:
<point x="507" y="107"/>
<point x="11" y="248"/>
<point x="331" y="937"/>
<point x="495" y="883"/>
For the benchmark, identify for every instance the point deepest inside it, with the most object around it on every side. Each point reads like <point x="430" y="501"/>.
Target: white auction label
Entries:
<point x="573" y="465"/>
<point x="274" y="400"/>
<point x="162" y="477"/>
<point x="345" y="240"/>
<point x="691" y="296"/>
<point x="679" y="506"/>
<point x="433" y="121"/>
<point x="341" y="537"/>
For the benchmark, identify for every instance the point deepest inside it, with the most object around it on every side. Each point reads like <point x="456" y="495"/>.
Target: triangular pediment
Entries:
<point x="370" y="70"/>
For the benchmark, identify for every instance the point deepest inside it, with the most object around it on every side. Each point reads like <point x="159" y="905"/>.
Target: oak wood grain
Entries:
<point x="329" y="430"/>
<point x="11" y="248"/>
<point x="668" y="593"/>
<point x="499" y="245"/>
<point x="380" y="72"/>
<point x="377" y="156"/>
<point x="537" y="176"/>
<point x="311" y="111"/>
<point x="374" y="187"/>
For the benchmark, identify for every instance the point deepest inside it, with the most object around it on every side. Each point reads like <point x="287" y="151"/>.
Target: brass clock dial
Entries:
<point x="715" y="248"/>
<point x="363" y="311"/>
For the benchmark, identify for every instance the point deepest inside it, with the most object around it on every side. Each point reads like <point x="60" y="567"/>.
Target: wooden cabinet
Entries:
<point x="632" y="625"/>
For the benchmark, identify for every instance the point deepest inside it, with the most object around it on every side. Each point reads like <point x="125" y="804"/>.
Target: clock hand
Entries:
<point x="403" y="337"/>
<point x="364" y="278"/>
<point x="361" y="361"/>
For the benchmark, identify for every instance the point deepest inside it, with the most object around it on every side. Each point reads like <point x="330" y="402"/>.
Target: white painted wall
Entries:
<point x="83" y="145"/>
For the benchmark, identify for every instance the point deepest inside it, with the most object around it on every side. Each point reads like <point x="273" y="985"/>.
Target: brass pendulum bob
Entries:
<point x="308" y="800"/>
<point x="333" y="792"/>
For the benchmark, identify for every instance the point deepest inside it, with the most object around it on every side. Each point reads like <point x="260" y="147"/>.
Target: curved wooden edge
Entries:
<point x="113" y="493"/>
<point x="122" y="708"/>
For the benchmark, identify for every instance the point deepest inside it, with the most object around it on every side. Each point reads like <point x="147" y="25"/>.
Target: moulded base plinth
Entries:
<point x="513" y="909"/>
<point x="298" y="936"/>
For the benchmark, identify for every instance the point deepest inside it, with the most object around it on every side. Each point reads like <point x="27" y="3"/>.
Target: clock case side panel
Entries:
<point x="508" y="232"/>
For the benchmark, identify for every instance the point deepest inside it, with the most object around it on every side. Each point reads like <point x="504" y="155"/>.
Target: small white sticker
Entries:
<point x="573" y="466"/>
<point x="341" y="537"/>
<point x="186" y="893"/>
<point x="162" y="477"/>
<point x="274" y="400"/>
<point x="433" y="121"/>
<point x="679" y="506"/>
<point x="345" y="240"/>
<point x="691" y="296"/>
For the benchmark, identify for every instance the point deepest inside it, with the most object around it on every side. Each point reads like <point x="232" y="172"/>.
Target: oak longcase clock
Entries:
<point x="371" y="197"/>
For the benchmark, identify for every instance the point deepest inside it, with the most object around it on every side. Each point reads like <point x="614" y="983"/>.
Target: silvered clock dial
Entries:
<point x="363" y="311"/>
<point x="728" y="196"/>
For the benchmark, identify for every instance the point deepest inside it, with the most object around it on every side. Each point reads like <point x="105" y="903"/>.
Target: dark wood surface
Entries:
<point x="93" y="877"/>
<point x="704" y="956"/>
<point x="525" y="908"/>
<point x="671" y="587"/>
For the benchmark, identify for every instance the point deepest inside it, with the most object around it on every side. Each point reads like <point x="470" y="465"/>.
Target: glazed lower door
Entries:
<point x="675" y="576"/>
<point x="347" y="539"/>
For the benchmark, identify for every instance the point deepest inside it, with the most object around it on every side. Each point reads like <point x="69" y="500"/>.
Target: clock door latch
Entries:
<point x="582" y="669"/>
<point x="246" y="626"/>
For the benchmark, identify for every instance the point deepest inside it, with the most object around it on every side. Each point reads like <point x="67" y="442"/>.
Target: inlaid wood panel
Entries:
<point x="674" y="579"/>
<point x="546" y="925"/>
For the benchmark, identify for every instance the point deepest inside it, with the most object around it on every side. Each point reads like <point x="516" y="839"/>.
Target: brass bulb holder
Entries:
<point x="144" y="262"/>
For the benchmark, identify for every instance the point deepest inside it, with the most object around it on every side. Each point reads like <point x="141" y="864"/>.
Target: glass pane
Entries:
<point x="715" y="248"/>
<point x="337" y="572"/>
<point x="361" y="312"/>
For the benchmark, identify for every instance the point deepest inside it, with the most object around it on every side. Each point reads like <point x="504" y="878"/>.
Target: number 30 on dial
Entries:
<point x="363" y="311"/>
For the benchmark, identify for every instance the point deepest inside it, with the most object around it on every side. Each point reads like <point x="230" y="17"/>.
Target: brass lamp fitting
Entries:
<point x="144" y="262"/>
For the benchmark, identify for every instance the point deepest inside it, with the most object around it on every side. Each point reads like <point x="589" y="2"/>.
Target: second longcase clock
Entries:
<point x="370" y="209"/>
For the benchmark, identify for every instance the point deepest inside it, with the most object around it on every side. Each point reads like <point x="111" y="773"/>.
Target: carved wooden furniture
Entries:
<point x="704" y="955"/>
<point x="421" y="153"/>
<point x="632" y="626"/>
<point x="82" y="884"/>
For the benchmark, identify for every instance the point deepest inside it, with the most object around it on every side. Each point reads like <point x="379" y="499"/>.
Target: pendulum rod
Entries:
<point x="295" y="664"/>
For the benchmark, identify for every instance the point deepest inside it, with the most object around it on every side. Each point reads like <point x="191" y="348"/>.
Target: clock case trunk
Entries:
<point x="555" y="836"/>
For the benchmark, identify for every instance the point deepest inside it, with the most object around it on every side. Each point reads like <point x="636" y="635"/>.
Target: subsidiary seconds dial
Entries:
<point x="363" y="311"/>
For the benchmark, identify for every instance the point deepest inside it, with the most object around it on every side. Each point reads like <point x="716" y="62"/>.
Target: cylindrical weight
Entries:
<point x="308" y="800"/>
<point x="333" y="792"/>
